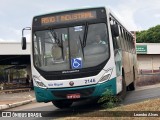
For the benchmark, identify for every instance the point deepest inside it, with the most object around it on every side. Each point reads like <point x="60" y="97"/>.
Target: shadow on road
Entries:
<point x="77" y="108"/>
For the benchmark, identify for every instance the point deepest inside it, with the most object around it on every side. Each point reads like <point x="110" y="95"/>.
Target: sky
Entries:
<point x="136" y="15"/>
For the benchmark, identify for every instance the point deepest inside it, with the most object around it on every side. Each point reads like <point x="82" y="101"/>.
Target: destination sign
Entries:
<point x="70" y="17"/>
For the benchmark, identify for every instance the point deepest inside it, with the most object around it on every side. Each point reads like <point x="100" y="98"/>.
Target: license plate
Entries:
<point x="73" y="96"/>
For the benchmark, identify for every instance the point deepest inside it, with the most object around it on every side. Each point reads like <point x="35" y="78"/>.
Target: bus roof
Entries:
<point x="61" y="11"/>
<point x="108" y="10"/>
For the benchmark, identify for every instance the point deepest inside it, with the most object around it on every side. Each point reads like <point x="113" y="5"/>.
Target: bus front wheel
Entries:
<point x="132" y="85"/>
<point x="122" y="94"/>
<point x="62" y="104"/>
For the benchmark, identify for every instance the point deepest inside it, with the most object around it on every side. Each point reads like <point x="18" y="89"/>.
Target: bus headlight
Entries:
<point x="106" y="76"/>
<point x="38" y="82"/>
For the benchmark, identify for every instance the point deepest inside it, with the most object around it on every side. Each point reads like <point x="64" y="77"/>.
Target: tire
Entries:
<point x="62" y="104"/>
<point x="131" y="86"/>
<point x="122" y="94"/>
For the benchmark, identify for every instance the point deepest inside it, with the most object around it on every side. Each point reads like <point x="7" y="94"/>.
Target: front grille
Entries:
<point x="85" y="92"/>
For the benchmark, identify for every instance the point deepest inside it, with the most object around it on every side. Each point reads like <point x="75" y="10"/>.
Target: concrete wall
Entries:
<point x="13" y="48"/>
<point x="149" y="62"/>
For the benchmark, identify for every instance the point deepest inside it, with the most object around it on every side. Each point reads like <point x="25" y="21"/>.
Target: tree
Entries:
<point x="14" y="73"/>
<point x="151" y="35"/>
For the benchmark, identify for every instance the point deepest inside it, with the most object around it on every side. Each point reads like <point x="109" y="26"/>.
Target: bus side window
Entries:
<point x="115" y="44"/>
<point x="125" y="40"/>
<point x="130" y="44"/>
<point x="127" y="43"/>
<point x="118" y="39"/>
<point x="122" y="40"/>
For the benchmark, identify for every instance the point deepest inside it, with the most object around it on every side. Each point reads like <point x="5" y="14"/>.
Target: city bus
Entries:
<point x="68" y="62"/>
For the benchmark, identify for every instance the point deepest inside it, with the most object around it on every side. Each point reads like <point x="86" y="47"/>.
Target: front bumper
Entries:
<point x="47" y="95"/>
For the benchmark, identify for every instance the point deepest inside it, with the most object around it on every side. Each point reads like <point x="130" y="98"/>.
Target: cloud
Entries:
<point x="15" y="18"/>
<point x="126" y="12"/>
<point x="15" y="31"/>
<point x="8" y="33"/>
<point x="126" y="18"/>
<point x="1" y="13"/>
<point x="134" y="13"/>
<point x="157" y="15"/>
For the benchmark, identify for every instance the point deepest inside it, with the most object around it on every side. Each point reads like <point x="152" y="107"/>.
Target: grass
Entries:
<point x="152" y="105"/>
<point x="108" y="100"/>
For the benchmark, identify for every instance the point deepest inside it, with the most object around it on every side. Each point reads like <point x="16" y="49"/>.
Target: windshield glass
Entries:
<point x="71" y="48"/>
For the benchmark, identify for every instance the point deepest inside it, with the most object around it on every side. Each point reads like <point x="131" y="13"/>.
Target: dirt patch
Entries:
<point x="149" y="107"/>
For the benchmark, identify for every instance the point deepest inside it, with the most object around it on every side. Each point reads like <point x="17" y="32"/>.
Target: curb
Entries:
<point x="15" y="90"/>
<point x="7" y="106"/>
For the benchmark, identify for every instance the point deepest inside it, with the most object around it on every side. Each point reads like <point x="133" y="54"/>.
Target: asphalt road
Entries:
<point x="48" y="109"/>
<point x="142" y="94"/>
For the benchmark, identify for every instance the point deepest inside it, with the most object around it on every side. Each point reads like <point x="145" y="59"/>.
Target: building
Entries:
<point x="12" y="55"/>
<point x="148" y="57"/>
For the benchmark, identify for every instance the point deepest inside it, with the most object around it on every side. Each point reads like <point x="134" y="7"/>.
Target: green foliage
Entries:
<point x="13" y="72"/>
<point x="2" y="69"/>
<point x="151" y="35"/>
<point x="108" y="100"/>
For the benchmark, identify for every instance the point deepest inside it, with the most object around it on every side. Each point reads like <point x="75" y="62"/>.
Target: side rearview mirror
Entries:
<point x="24" y="45"/>
<point x="115" y="31"/>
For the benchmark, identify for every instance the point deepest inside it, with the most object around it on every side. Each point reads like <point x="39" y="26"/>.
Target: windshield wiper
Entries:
<point x="81" y="45"/>
<point x="57" y="40"/>
<point x="85" y="34"/>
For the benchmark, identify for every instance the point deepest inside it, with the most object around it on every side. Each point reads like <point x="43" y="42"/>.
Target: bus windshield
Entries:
<point x="71" y="48"/>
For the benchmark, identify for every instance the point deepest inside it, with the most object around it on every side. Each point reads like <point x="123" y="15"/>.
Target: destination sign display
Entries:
<point x="70" y="17"/>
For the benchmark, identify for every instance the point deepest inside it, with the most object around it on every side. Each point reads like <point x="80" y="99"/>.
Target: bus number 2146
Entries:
<point x="90" y="81"/>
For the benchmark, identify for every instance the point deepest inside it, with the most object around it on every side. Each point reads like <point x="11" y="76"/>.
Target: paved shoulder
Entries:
<point x="16" y="99"/>
<point x="142" y="93"/>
